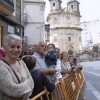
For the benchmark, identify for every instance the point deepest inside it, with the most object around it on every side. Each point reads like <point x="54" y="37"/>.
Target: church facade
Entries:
<point x="65" y="30"/>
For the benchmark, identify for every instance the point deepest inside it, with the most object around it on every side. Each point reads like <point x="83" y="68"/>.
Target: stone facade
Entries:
<point x="12" y="24"/>
<point x="34" y="24"/>
<point x="65" y="25"/>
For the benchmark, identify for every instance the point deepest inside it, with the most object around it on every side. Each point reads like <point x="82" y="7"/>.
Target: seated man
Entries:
<point x="40" y="80"/>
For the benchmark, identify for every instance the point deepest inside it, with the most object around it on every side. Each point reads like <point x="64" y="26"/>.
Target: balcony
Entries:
<point x="6" y="7"/>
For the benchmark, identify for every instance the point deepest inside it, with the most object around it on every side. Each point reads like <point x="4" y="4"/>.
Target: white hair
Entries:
<point x="10" y="37"/>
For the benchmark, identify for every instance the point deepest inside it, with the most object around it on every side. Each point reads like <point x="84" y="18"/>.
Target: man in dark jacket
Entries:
<point x="40" y="80"/>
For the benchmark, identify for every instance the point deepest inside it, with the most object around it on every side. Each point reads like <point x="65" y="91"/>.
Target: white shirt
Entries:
<point x="58" y="68"/>
<point x="40" y="61"/>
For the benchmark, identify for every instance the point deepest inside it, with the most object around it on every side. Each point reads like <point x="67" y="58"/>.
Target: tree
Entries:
<point x="95" y="50"/>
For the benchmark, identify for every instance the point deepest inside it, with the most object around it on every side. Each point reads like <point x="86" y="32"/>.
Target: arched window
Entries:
<point x="53" y="5"/>
<point x="69" y="39"/>
<point x="72" y="6"/>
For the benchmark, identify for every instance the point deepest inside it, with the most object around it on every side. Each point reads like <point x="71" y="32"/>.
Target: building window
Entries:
<point x="69" y="39"/>
<point x="78" y="8"/>
<point x="10" y="29"/>
<point x="24" y="39"/>
<point x="78" y="19"/>
<point x="80" y="39"/>
<point x="72" y="6"/>
<point x="25" y="17"/>
<point x="53" y="4"/>
<point x="42" y="7"/>
<point x="55" y="39"/>
<point x="68" y="18"/>
<point x="85" y="26"/>
<point x="14" y="1"/>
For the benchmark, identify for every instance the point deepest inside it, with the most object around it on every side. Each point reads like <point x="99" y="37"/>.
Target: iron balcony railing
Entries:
<point x="8" y="2"/>
<point x="6" y="7"/>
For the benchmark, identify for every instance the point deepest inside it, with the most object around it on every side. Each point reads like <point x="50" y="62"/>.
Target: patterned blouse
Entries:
<point x="65" y="66"/>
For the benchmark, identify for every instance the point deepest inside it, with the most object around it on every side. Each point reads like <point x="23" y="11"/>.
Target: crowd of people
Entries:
<point x="26" y="72"/>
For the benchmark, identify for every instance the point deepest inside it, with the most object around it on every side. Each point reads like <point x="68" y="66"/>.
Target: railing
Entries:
<point x="8" y="2"/>
<point x="67" y="88"/>
<point x="6" y="7"/>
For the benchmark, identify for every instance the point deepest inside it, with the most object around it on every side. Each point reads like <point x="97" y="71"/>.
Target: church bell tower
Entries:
<point x="73" y="5"/>
<point x="55" y="5"/>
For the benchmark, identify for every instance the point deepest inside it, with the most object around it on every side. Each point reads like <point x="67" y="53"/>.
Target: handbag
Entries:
<point x="12" y="70"/>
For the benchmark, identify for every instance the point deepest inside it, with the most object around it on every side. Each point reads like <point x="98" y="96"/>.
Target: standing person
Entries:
<point x="58" y="52"/>
<point x="65" y="65"/>
<point x="73" y="62"/>
<point x="58" y="65"/>
<point x="52" y="61"/>
<point x="39" y="53"/>
<point x="40" y="80"/>
<point x="27" y="51"/>
<point x="15" y="80"/>
<point x="51" y="57"/>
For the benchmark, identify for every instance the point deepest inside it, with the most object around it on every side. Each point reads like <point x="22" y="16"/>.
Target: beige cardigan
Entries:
<point x="10" y="89"/>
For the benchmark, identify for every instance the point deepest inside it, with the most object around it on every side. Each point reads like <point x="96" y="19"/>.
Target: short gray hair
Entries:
<point x="10" y="37"/>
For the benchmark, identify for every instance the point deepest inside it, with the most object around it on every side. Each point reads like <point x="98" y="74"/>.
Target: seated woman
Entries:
<point x="40" y="80"/>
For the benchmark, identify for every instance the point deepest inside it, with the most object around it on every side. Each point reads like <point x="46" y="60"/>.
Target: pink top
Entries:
<point x="2" y="54"/>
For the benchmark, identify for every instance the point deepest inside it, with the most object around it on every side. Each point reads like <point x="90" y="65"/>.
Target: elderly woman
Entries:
<point x="65" y="65"/>
<point x="15" y="80"/>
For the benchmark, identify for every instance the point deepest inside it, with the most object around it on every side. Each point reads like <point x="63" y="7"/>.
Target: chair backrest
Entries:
<point x="40" y="96"/>
<point x="59" y="93"/>
<point x="71" y="86"/>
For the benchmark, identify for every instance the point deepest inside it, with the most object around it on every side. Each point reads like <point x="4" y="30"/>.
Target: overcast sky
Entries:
<point x="89" y="9"/>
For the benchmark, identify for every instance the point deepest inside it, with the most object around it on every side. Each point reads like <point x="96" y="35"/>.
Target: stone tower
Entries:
<point x="55" y="5"/>
<point x="65" y="27"/>
<point x="73" y="5"/>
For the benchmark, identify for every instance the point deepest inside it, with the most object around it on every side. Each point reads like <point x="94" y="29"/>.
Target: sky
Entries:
<point x="89" y="9"/>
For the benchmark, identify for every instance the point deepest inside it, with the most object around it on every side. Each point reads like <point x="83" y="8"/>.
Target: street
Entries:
<point x="91" y="72"/>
